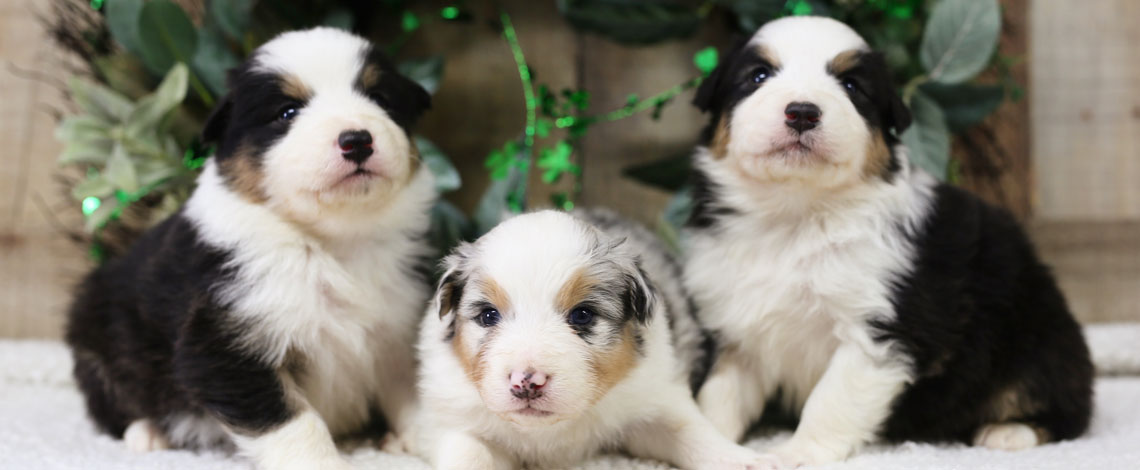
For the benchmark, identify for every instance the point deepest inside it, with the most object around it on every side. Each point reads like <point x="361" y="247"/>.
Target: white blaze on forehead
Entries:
<point x="813" y="39"/>
<point x="533" y="255"/>
<point x="322" y="58"/>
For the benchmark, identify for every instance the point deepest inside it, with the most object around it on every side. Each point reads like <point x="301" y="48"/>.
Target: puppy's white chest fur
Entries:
<point x="785" y="289"/>
<point x="337" y="318"/>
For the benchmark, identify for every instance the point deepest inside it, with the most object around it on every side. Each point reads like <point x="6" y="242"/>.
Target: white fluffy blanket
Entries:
<point x="43" y="425"/>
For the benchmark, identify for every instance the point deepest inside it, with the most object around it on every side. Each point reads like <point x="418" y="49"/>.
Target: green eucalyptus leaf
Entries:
<point x="449" y="226"/>
<point x="151" y="173"/>
<point x="106" y="211"/>
<point x="120" y="171"/>
<point x="445" y="175"/>
<point x="95" y="186"/>
<point x="960" y="38"/>
<point x="231" y="16"/>
<point x="632" y="22"/>
<point x="122" y="18"/>
<point x="965" y="105"/>
<point x="93" y="151"/>
<point x="166" y="36"/>
<point x="169" y="94"/>
<point x="213" y="59"/>
<point x="427" y="71"/>
<point x="670" y="173"/>
<point x="928" y="138"/>
<point x="124" y="72"/>
<point x="100" y="101"/>
<point x="83" y="128"/>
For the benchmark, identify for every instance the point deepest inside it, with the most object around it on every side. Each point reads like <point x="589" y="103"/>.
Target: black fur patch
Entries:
<point x="403" y="99"/>
<point x="980" y="317"/>
<point x="149" y="341"/>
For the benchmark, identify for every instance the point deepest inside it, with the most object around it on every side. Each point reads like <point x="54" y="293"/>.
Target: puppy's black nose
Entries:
<point x="355" y="145"/>
<point x="802" y="116"/>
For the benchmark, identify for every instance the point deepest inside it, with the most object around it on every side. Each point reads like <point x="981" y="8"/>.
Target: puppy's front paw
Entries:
<point x="393" y="444"/>
<point x="1006" y="436"/>
<point x="144" y="436"/>
<point x="796" y="454"/>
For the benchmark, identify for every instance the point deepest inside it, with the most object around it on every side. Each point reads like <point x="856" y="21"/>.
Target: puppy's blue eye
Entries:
<point x="581" y="316"/>
<point x="761" y="74"/>
<point x="489" y="317"/>
<point x="287" y="113"/>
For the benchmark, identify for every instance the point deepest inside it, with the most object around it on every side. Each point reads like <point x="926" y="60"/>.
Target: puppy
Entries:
<point x="279" y="307"/>
<point x="849" y="286"/>
<point x="551" y="339"/>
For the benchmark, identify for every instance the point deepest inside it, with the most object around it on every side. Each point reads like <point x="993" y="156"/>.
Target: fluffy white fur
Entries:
<point x="324" y="271"/>
<point x="760" y="139"/>
<point x="790" y="280"/>
<point x="469" y="425"/>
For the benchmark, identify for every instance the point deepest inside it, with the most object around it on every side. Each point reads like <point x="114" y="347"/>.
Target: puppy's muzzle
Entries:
<point x="355" y="146"/>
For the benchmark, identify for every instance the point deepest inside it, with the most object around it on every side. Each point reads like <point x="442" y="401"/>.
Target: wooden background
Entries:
<point x="1068" y="157"/>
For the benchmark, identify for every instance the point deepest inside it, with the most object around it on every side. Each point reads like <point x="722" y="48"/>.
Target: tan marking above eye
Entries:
<point x="369" y="76"/>
<point x="494" y="293"/>
<point x="844" y="62"/>
<point x="294" y="88"/>
<point x="767" y="55"/>
<point x="576" y="290"/>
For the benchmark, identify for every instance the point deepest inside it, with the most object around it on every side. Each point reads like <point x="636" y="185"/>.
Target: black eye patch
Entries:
<point x="403" y="99"/>
<point x="865" y="77"/>
<point x="256" y="113"/>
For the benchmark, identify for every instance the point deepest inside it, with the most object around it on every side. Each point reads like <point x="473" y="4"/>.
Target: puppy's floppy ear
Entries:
<point x="218" y="121"/>
<point x="639" y="294"/>
<point x="714" y="86"/>
<point x="894" y="111"/>
<point x="405" y="100"/>
<point x="450" y="288"/>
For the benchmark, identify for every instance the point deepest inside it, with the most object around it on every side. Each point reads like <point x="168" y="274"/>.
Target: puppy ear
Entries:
<point x="450" y="288"/>
<point x="895" y="113"/>
<point x="218" y="121"/>
<point x="405" y="99"/>
<point x="639" y="295"/>
<point x="712" y="87"/>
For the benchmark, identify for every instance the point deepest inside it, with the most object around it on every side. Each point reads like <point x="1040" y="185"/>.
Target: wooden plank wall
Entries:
<point x="480" y="106"/>
<point x="1085" y="144"/>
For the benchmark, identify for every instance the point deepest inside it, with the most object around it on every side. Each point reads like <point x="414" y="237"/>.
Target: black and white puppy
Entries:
<point x="279" y="307"/>
<point x="555" y="337"/>
<point x="848" y="285"/>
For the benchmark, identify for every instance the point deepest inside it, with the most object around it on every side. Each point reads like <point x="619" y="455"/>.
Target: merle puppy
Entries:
<point x="849" y="286"/>
<point x="279" y="307"/>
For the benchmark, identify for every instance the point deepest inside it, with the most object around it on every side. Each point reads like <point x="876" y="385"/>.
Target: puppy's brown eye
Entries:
<point x="850" y="84"/>
<point x="761" y="74"/>
<point x="581" y="316"/>
<point x="489" y="317"/>
<point x="287" y="113"/>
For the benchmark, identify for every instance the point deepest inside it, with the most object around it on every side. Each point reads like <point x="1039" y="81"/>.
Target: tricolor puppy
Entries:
<point x="279" y="307"/>
<point x="552" y="338"/>
<point x="850" y="286"/>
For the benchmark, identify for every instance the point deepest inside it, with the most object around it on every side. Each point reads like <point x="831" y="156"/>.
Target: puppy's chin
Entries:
<point x="532" y="418"/>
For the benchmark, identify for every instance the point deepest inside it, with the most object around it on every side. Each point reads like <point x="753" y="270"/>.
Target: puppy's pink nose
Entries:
<point x="527" y="383"/>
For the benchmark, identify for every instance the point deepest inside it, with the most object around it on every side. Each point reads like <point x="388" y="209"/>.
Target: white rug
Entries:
<point x="43" y="425"/>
